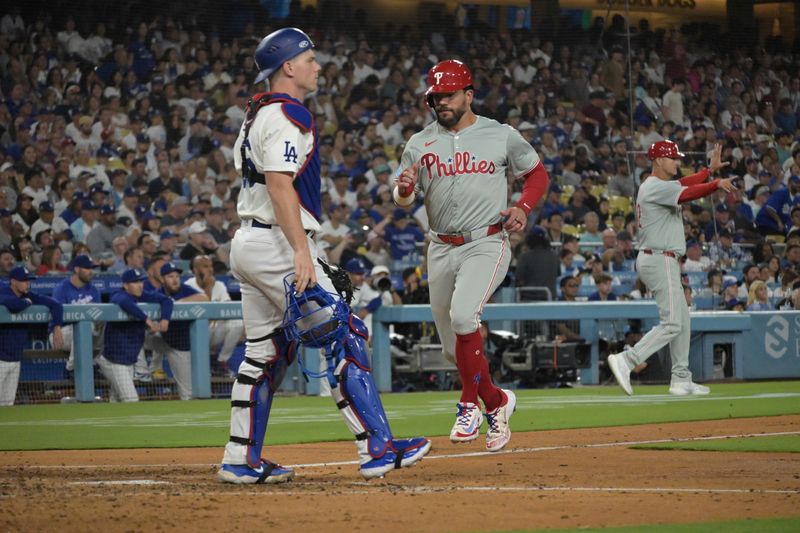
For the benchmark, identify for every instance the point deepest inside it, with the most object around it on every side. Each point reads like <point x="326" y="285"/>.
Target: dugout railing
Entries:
<point x="763" y="344"/>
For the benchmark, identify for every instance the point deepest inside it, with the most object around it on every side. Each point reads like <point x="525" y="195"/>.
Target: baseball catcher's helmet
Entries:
<point x="663" y="149"/>
<point x="316" y="318"/>
<point x="279" y="47"/>
<point x="448" y="76"/>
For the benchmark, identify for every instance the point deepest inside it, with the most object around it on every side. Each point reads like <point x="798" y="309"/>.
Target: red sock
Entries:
<point x="474" y="371"/>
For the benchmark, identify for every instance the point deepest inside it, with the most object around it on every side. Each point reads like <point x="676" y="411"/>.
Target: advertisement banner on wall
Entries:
<point x="774" y="347"/>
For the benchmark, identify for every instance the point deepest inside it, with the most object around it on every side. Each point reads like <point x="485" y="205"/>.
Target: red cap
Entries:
<point x="448" y="76"/>
<point x="663" y="149"/>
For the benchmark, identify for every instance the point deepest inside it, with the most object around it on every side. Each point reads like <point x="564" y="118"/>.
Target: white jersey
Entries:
<point x="219" y="293"/>
<point x="658" y="216"/>
<point x="463" y="174"/>
<point x="275" y="145"/>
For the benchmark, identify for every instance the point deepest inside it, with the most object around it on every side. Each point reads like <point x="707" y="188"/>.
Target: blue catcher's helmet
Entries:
<point x="279" y="47"/>
<point x="316" y="318"/>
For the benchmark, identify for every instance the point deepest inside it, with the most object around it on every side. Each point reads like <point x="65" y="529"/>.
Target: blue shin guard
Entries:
<point x="357" y="397"/>
<point x="251" y="398"/>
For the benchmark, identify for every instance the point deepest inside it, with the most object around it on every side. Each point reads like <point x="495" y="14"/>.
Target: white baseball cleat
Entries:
<point x="468" y="423"/>
<point x="688" y="388"/>
<point x="499" y="433"/>
<point x="622" y="371"/>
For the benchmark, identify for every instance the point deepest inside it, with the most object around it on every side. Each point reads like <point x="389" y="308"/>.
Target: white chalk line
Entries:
<point x="429" y="457"/>
<point x="261" y="490"/>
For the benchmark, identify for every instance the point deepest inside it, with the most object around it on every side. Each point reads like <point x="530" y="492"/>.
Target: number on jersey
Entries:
<point x="290" y="153"/>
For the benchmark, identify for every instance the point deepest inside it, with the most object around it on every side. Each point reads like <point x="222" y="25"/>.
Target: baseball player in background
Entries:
<point x="176" y="338"/>
<point x="280" y="207"/>
<point x="224" y="335"/>
<point x="460" y="163"/>
<point x="122" y="341"/>
<point x="78" y="289"/>
<point x="16" y="297"/>
<point x="661" y="243"/>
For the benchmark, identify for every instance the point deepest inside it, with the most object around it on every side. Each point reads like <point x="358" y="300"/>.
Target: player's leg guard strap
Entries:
<point x="259" y="376"/>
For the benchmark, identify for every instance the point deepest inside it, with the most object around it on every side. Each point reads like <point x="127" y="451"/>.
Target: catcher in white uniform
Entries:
<point x="460" y="163"/>
<point x="287" y="295"/>
<point x="661" y="244"/>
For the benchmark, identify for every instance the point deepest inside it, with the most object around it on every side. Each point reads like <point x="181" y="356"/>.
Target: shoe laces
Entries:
<point x="464" y="414"/>
<point x="493" y="420"/>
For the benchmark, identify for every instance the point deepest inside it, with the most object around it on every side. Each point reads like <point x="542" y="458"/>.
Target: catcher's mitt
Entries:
<point x="341" y="281"/>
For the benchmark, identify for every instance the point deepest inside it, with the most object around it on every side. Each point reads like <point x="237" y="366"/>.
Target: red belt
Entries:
<point x="459" y="239"/>
<point x="667" y="253"/>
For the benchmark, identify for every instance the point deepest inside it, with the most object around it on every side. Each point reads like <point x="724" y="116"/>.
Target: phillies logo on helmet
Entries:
<point x="462" y="163"/>
<point x="438" y="76"/>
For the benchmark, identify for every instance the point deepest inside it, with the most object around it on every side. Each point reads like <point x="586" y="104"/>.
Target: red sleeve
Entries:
<point x="693" y="192"/>
<point x="536" y="182"/>
<point x="695" y="179"/>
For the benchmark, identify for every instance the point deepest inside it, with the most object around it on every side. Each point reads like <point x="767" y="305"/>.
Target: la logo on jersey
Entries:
<point x="461" y="163"/>
<point x="290" y="153"/>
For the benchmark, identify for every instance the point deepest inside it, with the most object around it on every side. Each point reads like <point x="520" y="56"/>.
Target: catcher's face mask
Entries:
<point x="316" y="318"/>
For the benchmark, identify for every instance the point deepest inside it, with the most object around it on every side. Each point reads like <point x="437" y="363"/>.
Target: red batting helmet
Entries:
<point x="663" y="149"/>
<point x="448" y="76"/>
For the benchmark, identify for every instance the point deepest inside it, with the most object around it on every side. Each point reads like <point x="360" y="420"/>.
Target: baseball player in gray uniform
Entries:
<point x="661" y="244"/>
<point x="460" y="163"/>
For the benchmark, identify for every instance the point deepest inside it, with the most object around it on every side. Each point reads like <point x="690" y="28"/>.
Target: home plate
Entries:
<point x="122" y="482"/>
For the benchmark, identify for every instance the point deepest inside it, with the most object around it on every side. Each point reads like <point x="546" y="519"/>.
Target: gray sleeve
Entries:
<point x="665" y="192"/>
<point x="521" y="155"/>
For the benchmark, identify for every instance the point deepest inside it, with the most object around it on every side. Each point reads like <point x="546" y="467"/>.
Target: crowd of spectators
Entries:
<point x="117" y="141"/>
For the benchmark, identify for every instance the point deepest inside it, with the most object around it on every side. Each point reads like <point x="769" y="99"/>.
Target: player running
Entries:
<point x="660" y="234"/>
<point x="459" y="162"/>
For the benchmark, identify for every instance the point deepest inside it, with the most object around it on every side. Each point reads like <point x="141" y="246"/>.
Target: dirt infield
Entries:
<point x="547" y="479"/>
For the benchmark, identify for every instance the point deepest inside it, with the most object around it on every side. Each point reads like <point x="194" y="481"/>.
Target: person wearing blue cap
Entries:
<point x="401" y="236"/>
<point x="274" y="256"/>
<point x="78" y="289"/>
<point x="16" y="297"/>
<point x="168" y="244"/>
<point x="128" y="204"/>
<point x="122" y="341"/>
<point x="48" y="221"/>
<point x="176" y="341"/>
<point x="773" y="218"/>
<point x="86" y="223"/>
<point x="102" y="236"/>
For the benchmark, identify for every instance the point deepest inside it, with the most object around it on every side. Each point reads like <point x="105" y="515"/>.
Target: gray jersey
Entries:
<point x="658" y="216"/>
<point x="463" y="174"/>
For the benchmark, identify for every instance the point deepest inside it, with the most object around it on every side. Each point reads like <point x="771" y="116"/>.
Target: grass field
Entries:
<point x="313" y="419"/>
<point x="775" y="525"/>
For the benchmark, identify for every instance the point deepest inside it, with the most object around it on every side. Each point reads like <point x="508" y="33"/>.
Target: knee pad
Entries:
<point x="260" y="375"/>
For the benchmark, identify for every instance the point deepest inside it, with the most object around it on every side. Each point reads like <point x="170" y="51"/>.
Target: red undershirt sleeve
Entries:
<point x="695" y="179"/>
<point x="693" y="192"/>
<point x="536" y="182"/>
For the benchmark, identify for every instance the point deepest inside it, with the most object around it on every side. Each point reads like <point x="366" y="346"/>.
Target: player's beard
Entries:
<point x="448" y="123"/>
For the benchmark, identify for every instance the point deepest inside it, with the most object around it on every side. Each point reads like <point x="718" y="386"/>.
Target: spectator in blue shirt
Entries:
<point x="16" y="297"/>
<point x="124" y="340"/>
<point x="176" y="339"/>
<point x="773" y="218"/>
<point x="77" y="289"/>
<point x="402" y="236"/>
